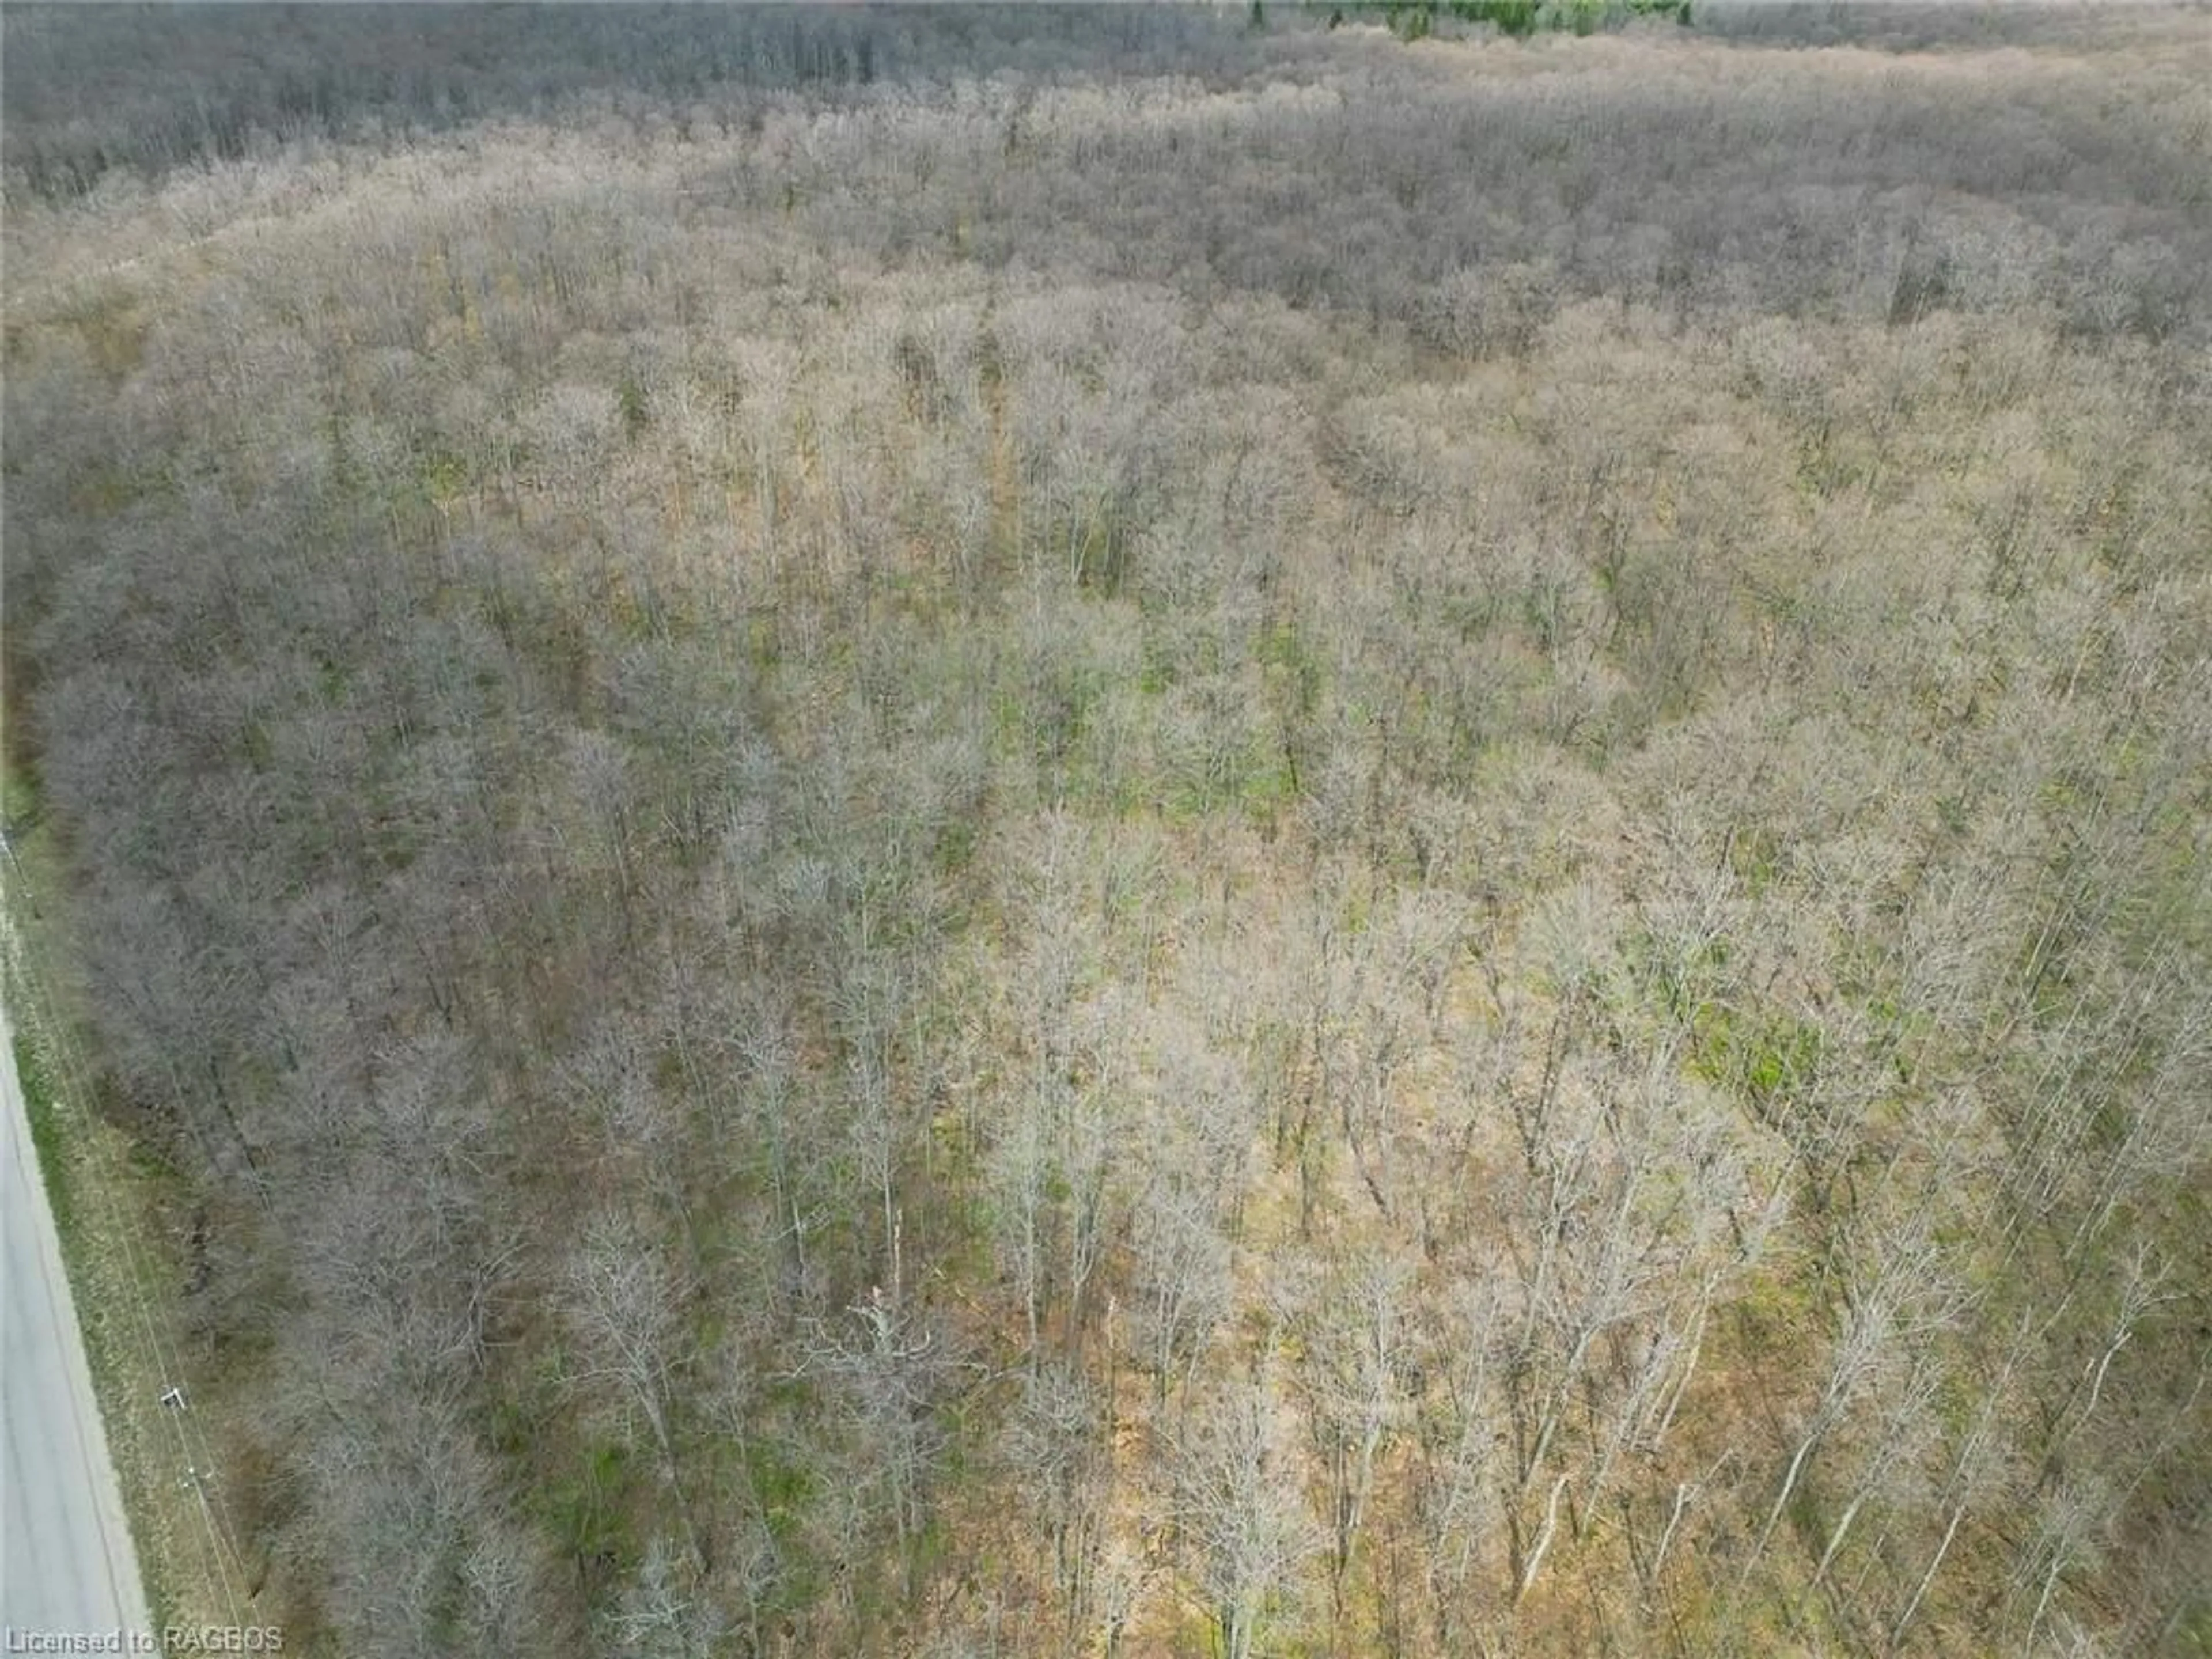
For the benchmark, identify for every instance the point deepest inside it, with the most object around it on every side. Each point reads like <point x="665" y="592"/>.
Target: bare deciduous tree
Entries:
<point x="1246" y="1528"/>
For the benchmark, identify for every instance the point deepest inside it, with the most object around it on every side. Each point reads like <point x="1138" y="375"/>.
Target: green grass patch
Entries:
<point x="46" y="1137"/>
<point x="1762" y="1054"/>
<point x="19" y="798"/>
<point x="591" y="1511"/>
<point x="781" y="1486"/>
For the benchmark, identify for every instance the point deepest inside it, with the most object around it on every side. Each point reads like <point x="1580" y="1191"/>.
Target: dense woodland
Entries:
<point x="958" y="831"/>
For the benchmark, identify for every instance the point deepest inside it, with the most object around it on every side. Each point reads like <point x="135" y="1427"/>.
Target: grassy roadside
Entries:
<point x="109" y="1204"/>
<point x="46" y="1139"/>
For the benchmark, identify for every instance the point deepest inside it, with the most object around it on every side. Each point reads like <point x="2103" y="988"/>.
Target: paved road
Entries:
<point x="66" y="1564"/>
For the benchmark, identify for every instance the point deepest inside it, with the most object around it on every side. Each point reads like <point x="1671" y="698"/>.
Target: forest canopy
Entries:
<point x="1140" y="830"/>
